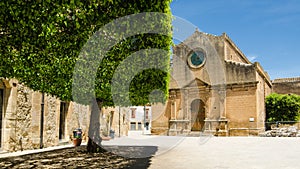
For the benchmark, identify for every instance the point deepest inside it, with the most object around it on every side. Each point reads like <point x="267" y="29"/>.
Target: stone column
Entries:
<point x="10" y="109"/>
<point x="173" y="104"/>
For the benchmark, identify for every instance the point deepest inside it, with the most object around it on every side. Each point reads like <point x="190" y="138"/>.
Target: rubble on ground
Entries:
<point x="291" y="131"/>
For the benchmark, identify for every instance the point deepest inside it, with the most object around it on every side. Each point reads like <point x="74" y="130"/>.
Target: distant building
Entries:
<point x="140" y="120"/>
<point x="286" y="86"/>
<point x="115" y="120"/>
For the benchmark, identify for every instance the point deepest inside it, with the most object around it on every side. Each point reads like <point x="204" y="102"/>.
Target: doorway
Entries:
<point x="1" y="114"/>
<point x="62" y="120"/>
<point x="197" y="115"/>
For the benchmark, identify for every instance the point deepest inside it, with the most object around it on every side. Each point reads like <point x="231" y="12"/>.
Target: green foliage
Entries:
<point x="282" y="107"/>
<point x="40" y="41"/>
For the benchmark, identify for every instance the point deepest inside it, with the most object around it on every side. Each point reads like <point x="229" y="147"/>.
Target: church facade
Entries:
<point x="214" y="89"/>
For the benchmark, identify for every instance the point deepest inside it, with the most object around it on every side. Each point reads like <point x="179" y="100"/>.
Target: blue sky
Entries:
<point x="267" y="31"/>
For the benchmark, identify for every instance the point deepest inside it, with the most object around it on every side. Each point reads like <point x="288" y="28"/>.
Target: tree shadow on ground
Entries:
<point x="141" y="155"/>
<point x="78" y="157"/>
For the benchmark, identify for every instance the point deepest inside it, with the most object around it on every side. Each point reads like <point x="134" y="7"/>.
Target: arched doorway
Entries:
<point x="197" y="115"/>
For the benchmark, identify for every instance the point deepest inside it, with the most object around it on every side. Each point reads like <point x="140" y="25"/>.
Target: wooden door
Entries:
<point x="197" y="115"/>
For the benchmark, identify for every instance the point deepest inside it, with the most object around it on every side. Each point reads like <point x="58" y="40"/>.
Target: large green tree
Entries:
<point x="281" y="107"/>
<point x="48" y="44"/>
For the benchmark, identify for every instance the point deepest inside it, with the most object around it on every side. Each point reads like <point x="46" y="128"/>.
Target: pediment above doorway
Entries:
<point x="196" y="83"/>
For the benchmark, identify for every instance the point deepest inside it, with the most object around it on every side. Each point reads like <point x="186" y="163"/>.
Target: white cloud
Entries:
<point x="252" y="58"/>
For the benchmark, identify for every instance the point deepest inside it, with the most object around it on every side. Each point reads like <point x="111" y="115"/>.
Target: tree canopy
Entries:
<point x="41" y="41"/>
<point x="282" y="107"/>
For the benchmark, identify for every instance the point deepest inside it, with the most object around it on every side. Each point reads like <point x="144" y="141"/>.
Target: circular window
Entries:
<point x="196" y="59"/>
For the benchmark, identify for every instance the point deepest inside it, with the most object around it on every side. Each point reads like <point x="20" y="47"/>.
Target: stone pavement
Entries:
<point x="232" y="153"/>
<point x="142" y="146"/>
<point x="156" y="152"/>
<point x="209" y="152"/>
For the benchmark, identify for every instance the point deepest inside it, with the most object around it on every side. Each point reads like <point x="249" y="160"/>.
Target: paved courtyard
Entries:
<point x="233" y="153"/>
<point x="220" y="152"/>
<point x="170" y="152"/>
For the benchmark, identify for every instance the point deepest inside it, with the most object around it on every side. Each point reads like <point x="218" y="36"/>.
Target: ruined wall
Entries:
<point x="286" y="86"/>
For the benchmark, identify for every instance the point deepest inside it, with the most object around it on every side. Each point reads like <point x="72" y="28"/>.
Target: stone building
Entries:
<point x="115" y="119"/>
<point x="286" y="86"/>
<point x="32" y="120"/>
<point x="140" y="120"/>
<point x="214" y="89"/>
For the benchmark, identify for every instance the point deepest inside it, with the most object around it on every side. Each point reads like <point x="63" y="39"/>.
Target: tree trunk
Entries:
<point x="94" y="142"/>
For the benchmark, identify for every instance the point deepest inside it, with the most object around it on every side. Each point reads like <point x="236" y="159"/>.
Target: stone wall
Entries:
<point x="161" y="114"/>
<point x="232" y="52"/>
<point x="51" y="106"/>
<point x="22" y="118"/>
<point x="20" y="138"/>
<point x="115" y="119"/>
<point x="240" y="106"/>
<point x="239" y="72"/>
<point x="77" y="117"/>
<point x="286" y="86"/>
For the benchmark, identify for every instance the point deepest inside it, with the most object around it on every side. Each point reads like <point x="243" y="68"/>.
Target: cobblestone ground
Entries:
<point x="76" y="157"/>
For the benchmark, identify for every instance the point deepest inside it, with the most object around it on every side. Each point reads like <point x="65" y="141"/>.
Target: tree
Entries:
<point x="51" y="47"/>
<point x="282" y="107"/>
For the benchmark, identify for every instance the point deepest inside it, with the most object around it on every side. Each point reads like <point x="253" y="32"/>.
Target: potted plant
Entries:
<point x="77" y="137"/>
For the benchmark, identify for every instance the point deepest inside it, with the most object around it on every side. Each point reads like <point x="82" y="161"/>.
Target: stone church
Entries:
<point x="214" y="89"/>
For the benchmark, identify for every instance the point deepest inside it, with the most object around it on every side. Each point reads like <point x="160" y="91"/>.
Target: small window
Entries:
<point x="147" y="114"/>
<point x="123" y="118"/>
<point x="139" y="126"/>
<point x="133" y="113"/>
<point x="132" y="126"/>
